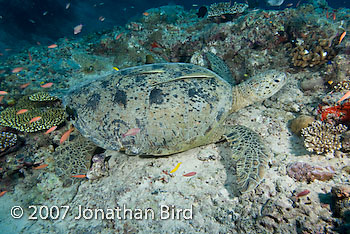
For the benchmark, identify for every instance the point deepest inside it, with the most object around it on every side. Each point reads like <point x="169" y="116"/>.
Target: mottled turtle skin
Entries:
<point x="176" y="106"/>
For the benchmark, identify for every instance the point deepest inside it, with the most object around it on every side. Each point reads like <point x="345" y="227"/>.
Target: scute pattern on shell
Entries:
<point x="176" y="107"/>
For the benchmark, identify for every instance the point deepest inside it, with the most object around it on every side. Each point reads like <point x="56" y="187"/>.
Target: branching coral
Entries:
<point x="322" y="137"/>
<point x="223" y="8"/>
<point x="309" y="55"/>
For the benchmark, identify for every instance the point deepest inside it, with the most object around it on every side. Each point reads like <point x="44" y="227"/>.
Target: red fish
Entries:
<point x="30" y="57"/>
<point x="342" y="37"/>
<point x="42" y="166"/>
<point x="131" y="132"/>
<point x="35" y="119"/>
<point x="53" y="128"/>
<point x="52" y="46"/>
<point x="17" y="69"/>
<point x="327" y="16"/>
<point x="79" y="176"/>
<point x="21" y="111"/>
<point x="47" y="85"/>
<point x="303" y="193"/>
<point x="190" y="174"/>
<point x="65" y="135"/>
<point x="334" y="15"/>
<point x="3" y="92"/>
<point x="118" y="36"/>
<point x="155" y="45"/>
<point x="3" y="193"/>
<point x="23" y="86"/>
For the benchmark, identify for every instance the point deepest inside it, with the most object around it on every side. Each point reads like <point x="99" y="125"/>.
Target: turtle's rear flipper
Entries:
<point x="250" y="155"/>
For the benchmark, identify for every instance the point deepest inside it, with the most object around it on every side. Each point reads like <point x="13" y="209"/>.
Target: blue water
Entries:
<point x="25" y="23"/>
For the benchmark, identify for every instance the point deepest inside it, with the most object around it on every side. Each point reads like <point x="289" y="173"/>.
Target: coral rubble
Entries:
<point x="323" y="137"/>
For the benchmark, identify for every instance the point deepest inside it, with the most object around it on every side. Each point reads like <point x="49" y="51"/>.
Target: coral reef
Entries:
<point x="310" y="55"/>
<point x="42" y="97"/>
<point x="301" y="171"/>
<point x="225" y="8"/>
<point x="323" y="137"/>
<point x="301" y="122"/>
<point x="7" y="140"/>
<point x="50" y="116"/>
<point x="73" y="158"/>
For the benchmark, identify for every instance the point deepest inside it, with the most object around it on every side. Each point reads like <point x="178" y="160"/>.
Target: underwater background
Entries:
<point x="74" y="75"/>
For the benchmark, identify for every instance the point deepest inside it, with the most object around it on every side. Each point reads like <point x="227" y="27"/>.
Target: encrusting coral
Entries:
<point x="50" y="116"/>
<point x="301" y="171"/>
<point x="225" y="8"/>
<point x="7" y="140"/>
<point x="42" y="97"/>
<point x="322" y="137"/>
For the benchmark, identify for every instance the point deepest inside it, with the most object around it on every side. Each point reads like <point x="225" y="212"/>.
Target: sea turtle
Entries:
<point x="173" y="107"/>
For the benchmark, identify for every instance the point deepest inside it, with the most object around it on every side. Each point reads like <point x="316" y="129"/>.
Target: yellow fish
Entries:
<point x="177" y="167"/>
<point x="115" y="68"/>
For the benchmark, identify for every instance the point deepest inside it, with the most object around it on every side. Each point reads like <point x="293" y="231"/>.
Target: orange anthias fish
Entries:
<point x="346" y="96"/>
<point x="190" y="174"/>
<point x="79" y="176"/>
<point x="35" y="119"/>
<point x="53" y="128"/>
<point x="52" y="46"/>
<point x="23" y="86"/>
<point x="342" y="37"/>
<point x="118" y="36"/>
<point x="65" y="136"/>
<point x="3" y="193"/>
<point x="155" y="45"/>
<point x="21" y="111"/>
<point x="131" y="132"/>
<point x="17" y="69"/>
<point x="77" y="29"/>
<point x="3" y="92"/>
<point x="47" y="85"/>
<point x="145" y="13"/>
<point x="40" y="167"/>
<point x="30" y="57"/>
<point x="327" y="15"/>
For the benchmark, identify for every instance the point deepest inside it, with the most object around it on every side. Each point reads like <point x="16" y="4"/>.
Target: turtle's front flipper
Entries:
<point x="250" y="155"/>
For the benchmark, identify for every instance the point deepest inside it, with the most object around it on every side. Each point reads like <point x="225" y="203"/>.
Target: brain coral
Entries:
<point x="50" y="116"/>
<point x="73" y="158"/>
<point x="322" y="137"/>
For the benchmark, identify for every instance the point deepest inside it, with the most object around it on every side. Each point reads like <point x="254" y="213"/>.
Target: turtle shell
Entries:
<point x="156" y="109"/>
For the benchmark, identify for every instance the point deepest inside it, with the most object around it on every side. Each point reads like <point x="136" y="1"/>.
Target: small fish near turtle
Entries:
<point x="167" y="108"/>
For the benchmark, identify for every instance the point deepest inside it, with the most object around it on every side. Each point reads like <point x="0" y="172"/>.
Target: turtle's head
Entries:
<point x="268" y="83"/>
